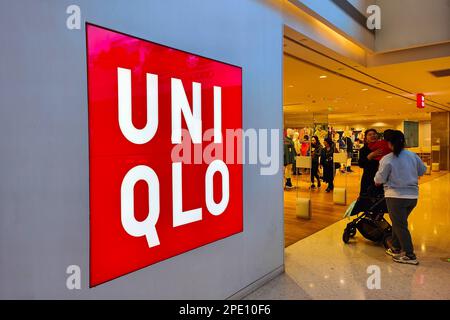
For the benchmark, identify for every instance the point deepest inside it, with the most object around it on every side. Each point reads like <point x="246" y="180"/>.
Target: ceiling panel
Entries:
<point x="317" y="84"/>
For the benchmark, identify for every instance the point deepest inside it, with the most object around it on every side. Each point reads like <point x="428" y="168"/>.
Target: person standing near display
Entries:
<point x="305" y="146"/>
<point x="368" y="162"/>
<point x="316" y="150"/>
<point x="289" y="157"/>
<point x="305" y="150"/>
<point x="349" y="145"/>
<point x="327" y="163"/>
<point x="399" y="172"/>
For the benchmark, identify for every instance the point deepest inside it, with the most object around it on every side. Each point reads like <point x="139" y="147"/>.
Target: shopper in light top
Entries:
<point x="399" y="172"/>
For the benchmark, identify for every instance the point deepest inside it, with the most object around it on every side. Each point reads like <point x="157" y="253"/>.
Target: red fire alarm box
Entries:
<point x="420" y="99"/>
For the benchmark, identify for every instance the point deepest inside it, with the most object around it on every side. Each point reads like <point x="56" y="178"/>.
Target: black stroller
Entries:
<point x="370" y="223"/>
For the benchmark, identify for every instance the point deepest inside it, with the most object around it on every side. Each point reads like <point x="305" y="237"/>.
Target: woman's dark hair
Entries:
<point x="316" y="138"/>
<point x="329" y="141"/>
<point x="367" y="131"/>
<point x="387" y="132"/>
<point x="306" y="137"/>
<point x="397" y="139"/>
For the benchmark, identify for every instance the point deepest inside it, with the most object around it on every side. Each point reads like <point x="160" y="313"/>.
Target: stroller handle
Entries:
<point x="376" y="203"/>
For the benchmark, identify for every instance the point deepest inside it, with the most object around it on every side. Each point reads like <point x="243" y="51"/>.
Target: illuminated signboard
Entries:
<point x="148" y="200"/>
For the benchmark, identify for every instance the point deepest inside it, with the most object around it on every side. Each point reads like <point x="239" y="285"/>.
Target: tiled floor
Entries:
<point x="323" y="267"/>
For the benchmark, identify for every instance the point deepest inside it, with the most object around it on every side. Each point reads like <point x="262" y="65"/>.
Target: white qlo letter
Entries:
<point x="130" y="224"/>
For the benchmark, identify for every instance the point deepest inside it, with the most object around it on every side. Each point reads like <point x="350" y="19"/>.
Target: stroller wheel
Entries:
<point x="346" y="236"/>
<point x="352" y="232"/>
<point x="387" y="239"/>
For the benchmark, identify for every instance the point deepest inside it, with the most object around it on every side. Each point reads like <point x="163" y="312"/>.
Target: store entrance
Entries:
<point x="325" y="99"/>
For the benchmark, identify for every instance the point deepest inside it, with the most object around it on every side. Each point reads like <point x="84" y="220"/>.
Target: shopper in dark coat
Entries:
<point x="349" y="147"/>
<point x="367" y="162"/>
<point x="326" y="160"/>
<point x="316" y="150"/>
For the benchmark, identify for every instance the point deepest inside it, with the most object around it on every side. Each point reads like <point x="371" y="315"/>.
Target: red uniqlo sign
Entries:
<point x="146" y="205"/>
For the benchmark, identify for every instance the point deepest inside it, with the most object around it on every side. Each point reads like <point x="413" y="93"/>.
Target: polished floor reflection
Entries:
<point x="324" y="212"/>
<point x="323" y="267"/>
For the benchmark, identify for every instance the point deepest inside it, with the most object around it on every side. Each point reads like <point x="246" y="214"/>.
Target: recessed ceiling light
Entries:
<point x="290" y="86"/>
<point x="322" y="77"/>
<point x="364" y="89"/>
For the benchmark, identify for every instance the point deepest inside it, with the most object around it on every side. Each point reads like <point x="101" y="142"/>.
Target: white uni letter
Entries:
<point x="180" y="104"/>
<point x="137" y="136"/>
<point x="217" y="114"/>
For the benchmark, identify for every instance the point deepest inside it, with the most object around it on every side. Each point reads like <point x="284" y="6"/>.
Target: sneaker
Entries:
<point x="406" y="259"/>
<point x="288" y="184"/>
<point x="393" y="252"/>
<point x="313" y="186"/>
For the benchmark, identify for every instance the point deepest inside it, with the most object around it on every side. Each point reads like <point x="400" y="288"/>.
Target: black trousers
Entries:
<point x="315" y="171"/>
<point x="399" y="210"/>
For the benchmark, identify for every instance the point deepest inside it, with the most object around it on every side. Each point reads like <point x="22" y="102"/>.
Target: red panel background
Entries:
<point x="113" y="252"/>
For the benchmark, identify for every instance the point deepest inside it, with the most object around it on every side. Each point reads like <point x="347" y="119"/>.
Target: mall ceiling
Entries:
<point x="319" y="84"/>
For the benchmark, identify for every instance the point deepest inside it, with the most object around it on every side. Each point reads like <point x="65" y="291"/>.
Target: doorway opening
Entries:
<point x="326" y="96"/>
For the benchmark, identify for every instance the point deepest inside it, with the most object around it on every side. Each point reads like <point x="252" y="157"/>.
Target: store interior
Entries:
<point x="327" y="96"/>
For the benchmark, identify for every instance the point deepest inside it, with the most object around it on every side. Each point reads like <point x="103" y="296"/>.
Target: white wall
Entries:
<point x="332" y="15"/>
<point x="425" y="134"/>
<point x="380" y="125"/>
<point x="412" y="23"/>
<point x="424" y="128"/>
<point x="44" y="188"/>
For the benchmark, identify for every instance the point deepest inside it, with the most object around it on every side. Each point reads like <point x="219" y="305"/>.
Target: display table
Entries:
<point x="303" y="208"/>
